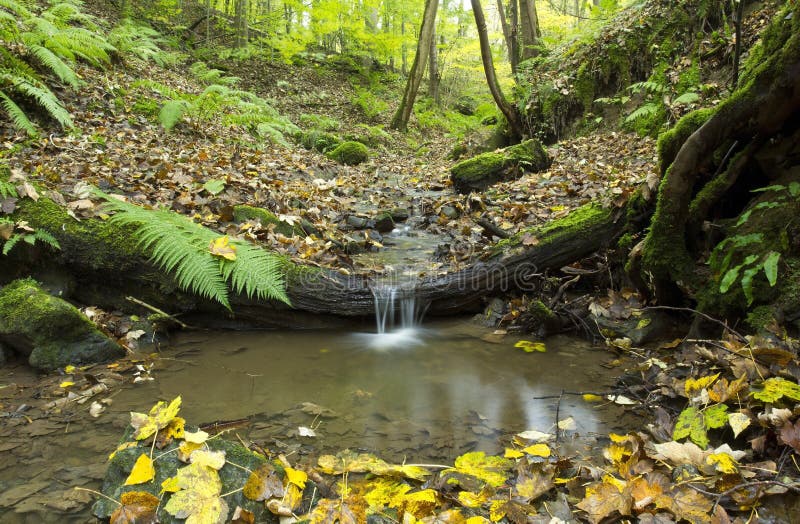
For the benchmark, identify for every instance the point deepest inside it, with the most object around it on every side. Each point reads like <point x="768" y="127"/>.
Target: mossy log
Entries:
<point x="108" y="265"/>
<point x="710" y="171"/>
<point x="480" y="172"/>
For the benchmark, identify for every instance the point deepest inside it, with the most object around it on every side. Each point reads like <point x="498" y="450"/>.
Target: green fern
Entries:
<point x="209" y="75"/>
<point x="18" y="116"/>
<point x="31" y="238"/>
<point x="181" y="247"/>
<point x="7" y="189"/>
<point x="648" y="86"/>
<point x="172" y="112"/>
<point x="643" y="111"/>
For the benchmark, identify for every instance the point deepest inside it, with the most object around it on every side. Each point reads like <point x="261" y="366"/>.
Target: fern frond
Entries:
<point x="172" y="112"/>
<point x="46" y="238"/>
<point x="11" y="242"/>
<point x="256" y="273"/>
<point x="7" y="189"/>
<point x="20" y="121"/>
<point x="209" y="75"/>
<point x="16" y="7"/>
<point x="643" y="111"/>
<point x="180" y="246"/>
<point x="43" y="96"/>
<point x="648" y="86"/>
<point x="158" y="87"/>
<point x="48" y="59"/>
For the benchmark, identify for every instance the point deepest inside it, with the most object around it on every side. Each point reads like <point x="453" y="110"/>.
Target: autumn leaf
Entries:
<point x="143" y="471"/>
<point x="686" y="503"/>
<point x="242" y="516"/>
<point x="538" y="450"/>
<point x="296" y="477"/>
<point x="328" y="511"/>
<point x="486" y="468"/>
<point x="532" y="484"/>
<point x="198" y="500"/>
<point x="210" y="459"/>
<point x="694" y="386"/>
<point x="263" y="483"/>
<point x="738" y="422"/>
<point x="419" y="503"/>
<point x="214" y="186"/>
<point x="137" y="507"/>
<point x="603" y="499"/>
<point x="159" y="417"/>
<point x="221" y="247"/>
<point x="529" y="347"/>
<point x="774" y="389"/>
<point x="722" y="462"/>
<point x="645" y="490"/>
<point x="386" y="492"/>
<point x="691" y="423"/>
<point x="790" y="435"/>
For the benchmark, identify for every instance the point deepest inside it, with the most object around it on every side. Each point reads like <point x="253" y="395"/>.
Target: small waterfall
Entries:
<point x="396" y="307"/>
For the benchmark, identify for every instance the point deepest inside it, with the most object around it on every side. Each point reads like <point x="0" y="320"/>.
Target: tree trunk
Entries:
<point x="510" y="112"/>
<point x="403" y="114"/>
<point x="240" y="23"/>
<point x="509" y="34"/>
<point x="434" y="75"/>
<point x="529" y="25"/>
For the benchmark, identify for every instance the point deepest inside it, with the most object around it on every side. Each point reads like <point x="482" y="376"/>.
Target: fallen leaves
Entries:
<point x="159" y="417"/>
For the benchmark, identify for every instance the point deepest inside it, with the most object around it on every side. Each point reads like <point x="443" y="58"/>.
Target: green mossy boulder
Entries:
<point x="319" y="140"/>
<point x="49" y="330"/>
<point x="350" y="153"/>
<point x="303" y="228"/>
<point x="480" y="172"/>
<point x="233" y="478"/>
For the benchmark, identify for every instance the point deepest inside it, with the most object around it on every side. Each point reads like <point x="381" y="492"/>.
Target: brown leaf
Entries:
<point x="138" y="507"/>
<point x="603" y="499"/>
<point x="790" y="435"/>
<point x="263" y="484"/>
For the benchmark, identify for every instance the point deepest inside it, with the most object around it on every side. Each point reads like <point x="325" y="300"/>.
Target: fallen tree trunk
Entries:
<point x="106" y="265"/>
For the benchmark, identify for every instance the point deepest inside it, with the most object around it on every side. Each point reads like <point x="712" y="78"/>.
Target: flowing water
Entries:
<point x="431" y="401"/>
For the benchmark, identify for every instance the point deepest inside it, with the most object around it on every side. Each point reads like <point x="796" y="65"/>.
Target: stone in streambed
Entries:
<point x="50" y="331"/>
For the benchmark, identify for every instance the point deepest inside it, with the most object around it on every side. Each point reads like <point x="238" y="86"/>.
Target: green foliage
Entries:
<point x="182" y="248"/>
<point x="23" y="234"/>
<point x="211" y="76"/>
<point x="319" y="140"/>
<point x="142" y="41"/>
<point x="370" y="105"/>
<point x="350" y="153"/>
<point x="41" y="42"/>
<point x="323" y="123"/>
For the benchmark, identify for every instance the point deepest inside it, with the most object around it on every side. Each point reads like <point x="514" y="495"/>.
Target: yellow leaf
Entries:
<point x="722" y="462"/>
<point x="538" y="450"/>
<point x="738" y="422"/>
<point x="296" y="477"/>
<point x="69" y="369"/>
<point x="186" y="449"/>
<point x="143" y="471"/>
<point x="198" y="500"/>
<point x="420" y="503"/>
<point x="694" y="386"/>
<point x="210" y="459"/>
<point x="513" y="453"/>
<point x="196" y="437"/>
<point x="66" y="384"/>
<point x="293" y="496"/>
<point x="159" y="417"/>
<point x="124" y="445"/>
<point x="614" y="481"/>
<point x="489" y="469"/>
<point x="170" y="485"/>
<point x="477" y="520"/>
<point x="497" y="510"/>
<point x="472" y="500"/>
<point x="529" y="347"/>
<point x="221" y="247"/>
<point x="263" y="484"/>
<point x="386" y="492"/>
<point x="589" y="397"/>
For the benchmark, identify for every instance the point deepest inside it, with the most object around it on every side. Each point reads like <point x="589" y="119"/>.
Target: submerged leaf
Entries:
<point x="529" y="347"/>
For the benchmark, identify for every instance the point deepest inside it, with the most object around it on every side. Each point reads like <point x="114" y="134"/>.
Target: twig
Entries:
<point x="118" y="503"/>
<point x="745" y="485"/>
<point x="558" y="409"/>
<point x="156" y="310"/>
<point x="492" y="228"/>
<point x="561" y="289"/>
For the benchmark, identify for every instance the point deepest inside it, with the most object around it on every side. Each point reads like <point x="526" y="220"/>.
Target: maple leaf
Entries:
<point x="159" y="417"/>
<point x="143" y="471"/>
<point x="327" y="511"/>
<point x="686" y="503"/>
<point x="419" y="503"/>
<point x="775" y="388"/>
<point x="386" y="492"/>
<point x="790" y="435"/>
<point x="222" y="247"/>
<point x="137" y="507"/>
<point x="198" y="501"/>
<point x="603" y="499"/>
<point x="532" y="484"/>
<point x="296" y="477"/>
<point x="529" y="347"/>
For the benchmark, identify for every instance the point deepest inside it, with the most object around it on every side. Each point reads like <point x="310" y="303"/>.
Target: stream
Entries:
<point x="304" y="393"/>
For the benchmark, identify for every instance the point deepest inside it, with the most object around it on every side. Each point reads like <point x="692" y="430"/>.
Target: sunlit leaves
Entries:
<point x="222" y="247"/>
<point x="694" y="386"/>
<point x="214" y="186"/>
<point x="347" y="461"/>
<point x="529" y="347"/>
<point x="263" y="484"/>
<point x="296" y="477"/>
<point x="489" y="469"/>
<point x="135" y="507"/>
<point x="604" y="499"/>
<point x="775" y="388"/>
<point x="159" y="417"/>
<point x="198" y="501"/>
<point x="143" y="471"/>
<point x="694" y="423"/>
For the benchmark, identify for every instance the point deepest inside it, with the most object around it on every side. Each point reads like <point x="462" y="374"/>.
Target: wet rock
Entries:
<point x="384" y="222"/>
<point x="374" y="236"/>
<point x="49" y="330"/>
<point x="449" y="212"/>
<point x="399" y="214"/>
<point x="349" y="153"/>
<point x="233" y="478"/>
<point x="357" y="222"/>
<point x="492" y="314"/>
<point x="649" y="326"/>
<point x="244" y="213"/>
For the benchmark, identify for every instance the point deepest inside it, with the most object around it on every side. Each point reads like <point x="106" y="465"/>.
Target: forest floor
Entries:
<point x="696" y="392"/>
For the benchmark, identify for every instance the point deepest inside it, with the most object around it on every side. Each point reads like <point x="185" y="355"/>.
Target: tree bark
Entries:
<point x="509" y="34"/>
<point x="529" y="25"/>
<point x="510" y="112"/>
<point x="434" y="75"/>
<point x="403" y="114"/>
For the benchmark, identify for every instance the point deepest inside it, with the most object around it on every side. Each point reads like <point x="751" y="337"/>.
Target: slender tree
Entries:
<point x="509" y="111"/>
<point x="529" y="26"/>
<point x="401" y="117"/>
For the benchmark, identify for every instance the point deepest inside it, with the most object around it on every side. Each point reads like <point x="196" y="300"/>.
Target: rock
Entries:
<point x="374" y="236"/>
<point x="465" y="105"/>
<point x="384" y="222"/>
<point x="449" y="212"/>
<point x="649" y="326"/>
<point x="399" y="214"/>
<point x="49" y="330"/>
<point x="4" y="355"/>
<point x="233" y="478"/>
<point x="356" y="222"/>
<point x="350" y="153"/>
<point x="492" y="314"/>
<point x="480" y="172"/>
<point x="302" y="228"/>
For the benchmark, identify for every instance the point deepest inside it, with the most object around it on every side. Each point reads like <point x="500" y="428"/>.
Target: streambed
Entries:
<point x="434" y="394"/>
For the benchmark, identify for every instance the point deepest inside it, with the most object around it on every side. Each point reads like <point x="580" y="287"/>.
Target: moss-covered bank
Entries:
<point x="480" y="172"/>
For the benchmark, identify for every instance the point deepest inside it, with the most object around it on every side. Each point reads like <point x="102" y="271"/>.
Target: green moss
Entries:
<point x="350" y="153"/>
<point x="670" y="142"/>
<point x="584" y="86"/>
<point x="625" y="241"/>
<point x="53" y="330"/>
<point x="319" y="140"/>
<point x="583" y="219"/>
<point x="244" y="213"/>
<point x="483" y="170"/>
<point x="760" y="318"/>
<point x="479" y="166"/>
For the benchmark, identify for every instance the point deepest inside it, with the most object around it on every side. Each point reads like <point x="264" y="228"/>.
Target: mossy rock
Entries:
<point x="50" y="330"/>
<point x="480" y="172"/>
<point x="319" y="140"/>
<point x="166" y="465"/>
<point x="244" y="213"/>
<point x="350" y="153"/>
<point x="466" y="105"/>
